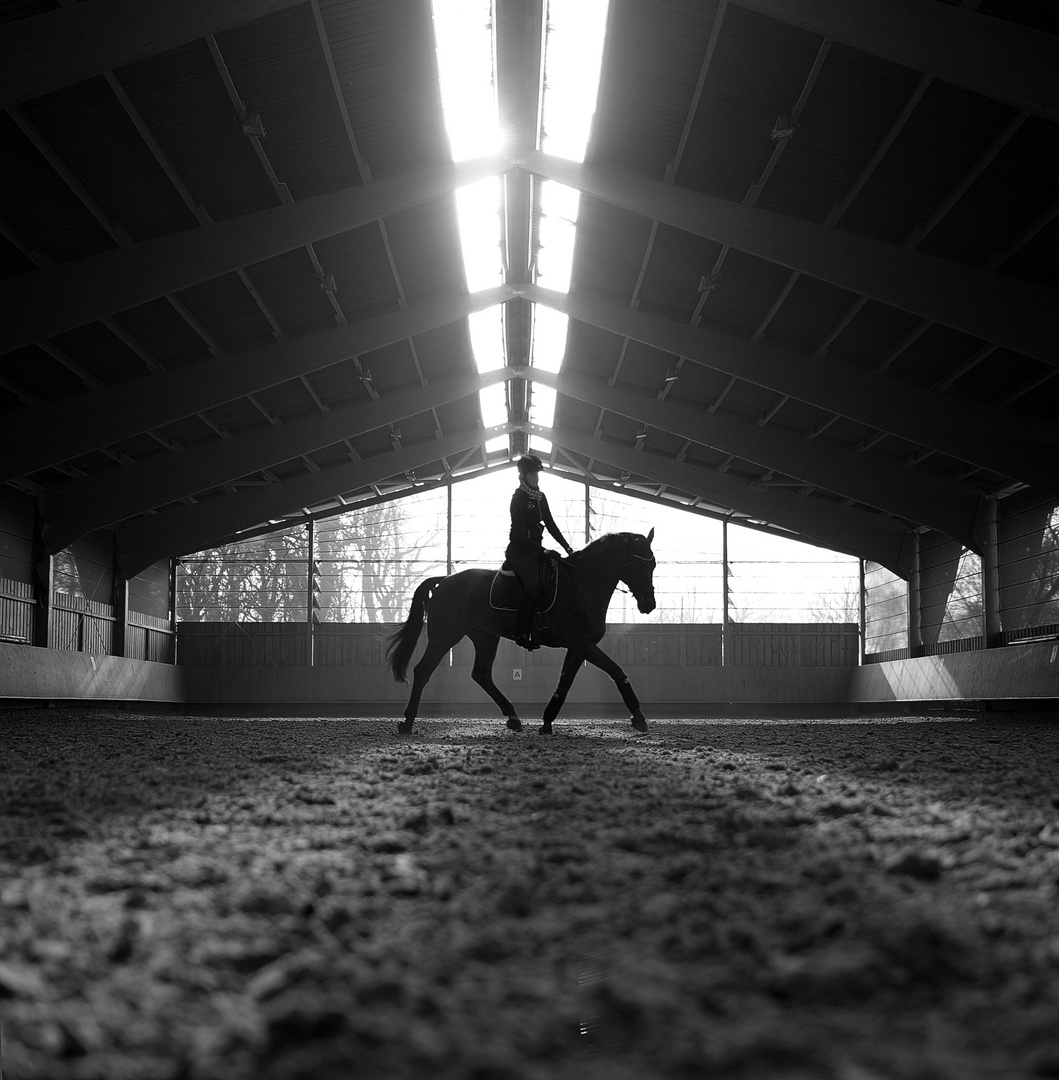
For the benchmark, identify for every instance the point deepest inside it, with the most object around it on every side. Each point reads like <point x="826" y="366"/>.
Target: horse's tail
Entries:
<point x="403" y="641"/>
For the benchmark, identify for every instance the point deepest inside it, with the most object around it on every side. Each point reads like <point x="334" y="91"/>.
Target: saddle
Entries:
<point x="506" y="591"/>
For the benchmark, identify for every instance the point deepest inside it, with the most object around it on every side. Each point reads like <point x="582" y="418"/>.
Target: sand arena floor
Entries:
<point x="841" y="899"/>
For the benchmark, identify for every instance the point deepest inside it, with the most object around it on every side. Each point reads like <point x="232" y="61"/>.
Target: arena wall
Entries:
<point x="28" y="673"/>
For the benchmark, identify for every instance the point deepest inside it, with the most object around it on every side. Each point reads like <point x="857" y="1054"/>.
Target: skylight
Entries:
<point x="572" y="58"/>
<point x="573" y="53"/>
<point x="573" y="49"/>
<point x="463" y="32"/>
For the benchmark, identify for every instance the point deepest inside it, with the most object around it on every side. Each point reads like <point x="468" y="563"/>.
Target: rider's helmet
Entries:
<point x="529" y="463"/>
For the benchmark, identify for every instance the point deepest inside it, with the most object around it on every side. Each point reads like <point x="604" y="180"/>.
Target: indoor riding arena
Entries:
<point x="324" y="326"/>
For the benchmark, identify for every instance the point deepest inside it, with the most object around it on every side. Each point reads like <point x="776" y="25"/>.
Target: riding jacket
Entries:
<point x="529" y="518"/>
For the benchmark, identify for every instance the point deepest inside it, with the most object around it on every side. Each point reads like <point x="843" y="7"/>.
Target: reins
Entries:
<point x="619" y="586"/>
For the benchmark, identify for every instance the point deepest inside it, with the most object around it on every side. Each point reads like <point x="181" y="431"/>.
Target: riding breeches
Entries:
<point x="527" y="567"/>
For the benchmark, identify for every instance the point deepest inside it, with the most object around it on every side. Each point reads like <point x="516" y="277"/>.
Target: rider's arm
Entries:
<point x="549" y="523"/>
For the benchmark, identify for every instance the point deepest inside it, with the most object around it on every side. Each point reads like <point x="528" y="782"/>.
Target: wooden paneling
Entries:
<point x="16" y="611"/>
<point x="350" y="644"/>
<point x="242" y="644"/>
<point x="80" y="625"/>
<point x="792" y="645"/>
<point x="675" y="647"/>
<point x="148" y="637"/>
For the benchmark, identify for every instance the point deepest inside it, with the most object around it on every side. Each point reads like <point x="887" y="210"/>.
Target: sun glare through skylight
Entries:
<point x="572" y="58"/>
<point x="463" y="33"/>
<point x="573" y="49"/>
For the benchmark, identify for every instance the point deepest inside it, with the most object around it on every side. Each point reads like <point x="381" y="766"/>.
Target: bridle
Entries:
<point x="629" y="556"/>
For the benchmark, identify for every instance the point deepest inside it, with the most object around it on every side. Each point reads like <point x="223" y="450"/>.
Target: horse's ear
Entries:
<point x="650" y="535"/>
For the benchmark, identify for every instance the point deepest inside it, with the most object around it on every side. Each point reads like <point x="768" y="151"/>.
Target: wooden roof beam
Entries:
<point x="42" y="303"/>
<point x="915" y="496"/>
<point x="46" y="52"/>
<point x="123" y="493"/>
<point x="1015" y="314"/>
<point x="960" y="428"/>
<point x="823" y="524"/>
<point x="993" y="57"/>
<point x="56" y="431"/>
<point x="193" y="528"/>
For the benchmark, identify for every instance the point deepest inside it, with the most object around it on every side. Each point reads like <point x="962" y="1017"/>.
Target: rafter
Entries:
<point x="120" y="494"/>
<point x="46" y="302"/>
<point x="960" y="428"/>
<point x="993" y="57"/>
<point x="892" y="488"/>
<point x="839" y="528"/>
<point x="1016" y="314"/>
<point x="193" y="528"/>
<point x="78" y="425"/>
<point x="59" y="48"/>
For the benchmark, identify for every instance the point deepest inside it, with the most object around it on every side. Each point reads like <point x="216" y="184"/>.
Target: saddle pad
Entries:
<point x="506" y="590"/>
<point x="502" y="593"/>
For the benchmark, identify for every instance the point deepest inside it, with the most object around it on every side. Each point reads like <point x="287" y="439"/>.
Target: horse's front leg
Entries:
<point x="595" y="655"/>
<point x="571" y="663"/>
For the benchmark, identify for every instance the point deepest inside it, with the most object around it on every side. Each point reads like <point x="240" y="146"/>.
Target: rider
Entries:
<point x="530" y="516"/>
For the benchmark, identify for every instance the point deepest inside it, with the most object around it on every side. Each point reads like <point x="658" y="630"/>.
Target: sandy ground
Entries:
<point x="843" y="899"/>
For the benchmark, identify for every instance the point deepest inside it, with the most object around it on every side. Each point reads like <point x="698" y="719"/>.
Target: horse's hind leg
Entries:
<point x="571" y="663"/>
<point x="432" y="656"/>
<point x="485" y="646"/>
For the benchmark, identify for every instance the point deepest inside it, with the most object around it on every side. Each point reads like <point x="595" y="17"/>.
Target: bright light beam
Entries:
<point x="572" y="60"/>
<point x="463" y="34"/>
<point x="464" y="38"/>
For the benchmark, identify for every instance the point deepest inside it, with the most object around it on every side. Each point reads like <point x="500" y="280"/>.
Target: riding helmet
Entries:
<point x="529" y="463"/>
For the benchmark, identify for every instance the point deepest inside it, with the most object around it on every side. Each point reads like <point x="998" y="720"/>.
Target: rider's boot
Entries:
<point x="524" y="624"/>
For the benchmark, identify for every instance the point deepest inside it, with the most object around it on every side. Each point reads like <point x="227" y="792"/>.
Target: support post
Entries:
<point x="173" y="609"/>
<point x="448" y="527"/>
<point x="313" y="583"/>
<point x="988" y="539"/>
<point x="862" y="619"/>
<point x="725" y="624"/>
<point x="43" y="585"/>
<point x="915" y="603"/>
<point x="120" y="600"/>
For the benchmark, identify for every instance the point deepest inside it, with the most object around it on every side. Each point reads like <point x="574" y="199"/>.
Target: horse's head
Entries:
<point x="638" y="570"/>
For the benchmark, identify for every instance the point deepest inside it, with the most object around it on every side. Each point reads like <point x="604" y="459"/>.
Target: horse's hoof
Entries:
<point x="546" y="730"/>
<point x="514" y="723"/>
<point x="405" y="728"/>
<point x="639" y="723"/>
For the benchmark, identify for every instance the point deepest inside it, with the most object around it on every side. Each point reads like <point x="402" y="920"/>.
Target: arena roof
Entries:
<point x="813" y="284"/>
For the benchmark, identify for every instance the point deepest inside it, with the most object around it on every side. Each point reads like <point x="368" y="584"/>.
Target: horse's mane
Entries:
<point x="601" y="542"/>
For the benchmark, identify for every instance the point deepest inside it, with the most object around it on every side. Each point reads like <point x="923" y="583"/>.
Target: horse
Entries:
<point x="459" y="607"/>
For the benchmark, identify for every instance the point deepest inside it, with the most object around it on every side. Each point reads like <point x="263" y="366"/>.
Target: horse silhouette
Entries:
<point x="458" y="606"/>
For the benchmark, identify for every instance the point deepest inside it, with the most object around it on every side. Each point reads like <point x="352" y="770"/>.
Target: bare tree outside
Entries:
<point x="371" y="560"/>
<point x="963" y="611"/>
<point x="367" y="562"/>
<point x="259" y="580"/>
<point x="1044" y="591"/>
